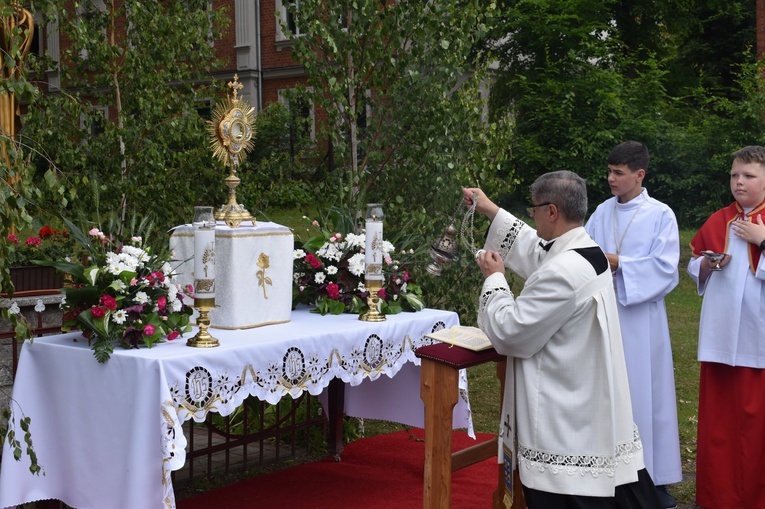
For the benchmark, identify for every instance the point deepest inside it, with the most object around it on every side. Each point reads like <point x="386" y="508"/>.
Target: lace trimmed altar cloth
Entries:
<point x="253" y="272"/>
<point x="109" y="435"/>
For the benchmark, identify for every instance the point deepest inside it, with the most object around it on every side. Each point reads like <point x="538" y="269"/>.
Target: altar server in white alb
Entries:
<point x="566" y="384"/>
<point x="640" y="238"/>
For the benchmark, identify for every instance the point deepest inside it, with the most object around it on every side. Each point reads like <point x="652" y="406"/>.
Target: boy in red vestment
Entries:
<point x="731" y="442"/>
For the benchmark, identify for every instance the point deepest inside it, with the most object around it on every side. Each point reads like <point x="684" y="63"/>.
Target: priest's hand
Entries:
<point x="753" y="232"/>
<point x="483" y="204"/>
<point x="490" y="262"/>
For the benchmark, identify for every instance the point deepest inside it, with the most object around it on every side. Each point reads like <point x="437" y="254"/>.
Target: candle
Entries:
<point x="204" y="253"/>
<point x="374" y="242"/>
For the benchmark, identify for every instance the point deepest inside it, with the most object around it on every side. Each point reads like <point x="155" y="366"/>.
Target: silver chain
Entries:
<point x="469" y="217"/>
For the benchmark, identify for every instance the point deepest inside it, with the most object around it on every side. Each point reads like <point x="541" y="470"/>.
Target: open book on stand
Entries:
<point x="471" y="338"/>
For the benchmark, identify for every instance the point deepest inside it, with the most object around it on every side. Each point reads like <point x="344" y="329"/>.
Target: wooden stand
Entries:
<point x="439" y="391"/>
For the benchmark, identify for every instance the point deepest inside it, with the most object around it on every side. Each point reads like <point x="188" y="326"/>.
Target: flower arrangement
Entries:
<point x="328" y="272"/>
<point x="122" y="295"/>
<point x="48" y="244"/>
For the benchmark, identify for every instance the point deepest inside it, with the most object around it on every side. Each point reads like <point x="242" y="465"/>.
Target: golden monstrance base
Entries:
<point x="373" y="314"/>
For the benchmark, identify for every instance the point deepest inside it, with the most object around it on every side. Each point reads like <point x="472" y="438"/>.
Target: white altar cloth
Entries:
<point x="108" y="435"/>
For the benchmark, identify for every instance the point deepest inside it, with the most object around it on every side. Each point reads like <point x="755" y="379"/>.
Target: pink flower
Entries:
<point x="313" y="261"/>
<point x="148" y="330"/>
<point x="333" y="291"/>
<point x="161" y="303"/>
<point x="97" y="312"/>
<point x="381" y="293"/>
<point x="34" y="241"/>
<point x="133" y="282"/>
<point x="109" y="302"/>
<point x="338" y="236"/>
<point x="173" y="335"/>
<point x="315" y="223"/>
<point x="14" y="239"/>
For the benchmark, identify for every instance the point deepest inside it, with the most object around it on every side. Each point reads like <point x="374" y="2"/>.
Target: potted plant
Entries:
<point x="30" y="278"/>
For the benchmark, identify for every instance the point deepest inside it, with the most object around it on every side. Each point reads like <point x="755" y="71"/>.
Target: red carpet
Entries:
<point x="381" y="472"/>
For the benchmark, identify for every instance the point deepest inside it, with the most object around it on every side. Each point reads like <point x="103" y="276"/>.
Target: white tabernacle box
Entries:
<point x="253" y="273"/>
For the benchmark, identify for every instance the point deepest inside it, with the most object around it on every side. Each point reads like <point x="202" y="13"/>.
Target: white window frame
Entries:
<point x="104" y="113"/>
<point x="283" y="17"/>
<point x="82" y="10"/>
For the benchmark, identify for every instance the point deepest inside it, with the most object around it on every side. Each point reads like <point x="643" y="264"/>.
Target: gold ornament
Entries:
<point x="231" y="129"/>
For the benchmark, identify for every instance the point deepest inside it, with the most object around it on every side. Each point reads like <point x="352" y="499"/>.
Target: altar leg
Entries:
<point x="335" y="416"/>
<point x="439" y="393"/>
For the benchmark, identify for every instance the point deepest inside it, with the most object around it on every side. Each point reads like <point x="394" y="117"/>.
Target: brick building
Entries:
<point x="254" y="47"/>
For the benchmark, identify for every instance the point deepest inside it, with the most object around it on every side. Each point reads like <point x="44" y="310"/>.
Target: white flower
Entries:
<point x="119" y="316"/>
<point x="175" y="306"/>
<point x="331" y="270"/>
<point x="136" y="239"/>
<point x="39" y="306"/>
<point x="388" y="247"/>
<point x="14" y="309"/>
<point x="403" y="288"/>
<point x="361" y="287"/>
<point x="297" y="275"/>
<point x="298" y="254"/>
<point x="357" y="264"/>
<point x="118" y="285"/>
<point x="354" y="241"/>
<point x="319" y="277"/>
<point x="330" y="252"/>
<point x="141" y="297"/>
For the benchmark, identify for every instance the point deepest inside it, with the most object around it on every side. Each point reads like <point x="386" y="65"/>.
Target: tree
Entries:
<point x="127" y="120"/>
<point x="401" y="84"/>
<point x="580" y="76"/>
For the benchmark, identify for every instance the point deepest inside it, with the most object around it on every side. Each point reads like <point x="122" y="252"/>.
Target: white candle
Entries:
<point x="373" y="248"/>
<point x="204" y="263"/>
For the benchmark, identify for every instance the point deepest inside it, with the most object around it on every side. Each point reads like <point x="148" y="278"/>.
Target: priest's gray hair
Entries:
<point x="565" y="189"/>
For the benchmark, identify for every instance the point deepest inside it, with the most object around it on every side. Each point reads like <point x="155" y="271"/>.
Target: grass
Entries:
<point x="683" y="309"/>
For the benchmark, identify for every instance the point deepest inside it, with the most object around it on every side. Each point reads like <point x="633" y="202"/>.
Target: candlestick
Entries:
<point x="373" y="256"/>
<point x="204" y="275"/>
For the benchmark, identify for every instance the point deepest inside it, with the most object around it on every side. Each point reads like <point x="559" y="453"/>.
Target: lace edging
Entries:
<point x="488" y="293"/>
<point x="509" y="233"/>
<point x="571" y="464"/>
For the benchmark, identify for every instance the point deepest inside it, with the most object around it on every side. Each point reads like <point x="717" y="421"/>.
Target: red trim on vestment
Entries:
<point x="713" y="234"/>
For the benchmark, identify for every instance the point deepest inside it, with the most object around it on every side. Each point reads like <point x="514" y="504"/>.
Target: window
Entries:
<point x="287" y="19"/>
<point x="91" y="13"/>
<point x="95" y="124"/>
<point x="301" y="109"/>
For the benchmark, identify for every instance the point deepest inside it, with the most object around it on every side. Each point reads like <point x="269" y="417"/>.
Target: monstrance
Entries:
<point x="231" y="130"/>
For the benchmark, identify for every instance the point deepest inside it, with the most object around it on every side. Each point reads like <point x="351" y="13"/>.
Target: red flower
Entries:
<point x="161" y="303"/>
<point x="148" y="330"/>
<point x="97" y="312"/>
<point x="173" y="335"/>
<point x="109" y="302"/>
<point x="333" y="291"/>
<point x="313" y="261"/>
<point x="381" y="293"/>
<point x="14" y="239"/>
<point x="46" y="231"/>
<point x="34" y="241"/>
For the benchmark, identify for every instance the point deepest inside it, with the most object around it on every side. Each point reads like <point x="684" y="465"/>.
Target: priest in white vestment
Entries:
<point x="640" y="238"/>
<point x="566" y="399"/>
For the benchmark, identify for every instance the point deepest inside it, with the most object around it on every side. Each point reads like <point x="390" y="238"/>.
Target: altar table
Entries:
<point x="109" y="435"/>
